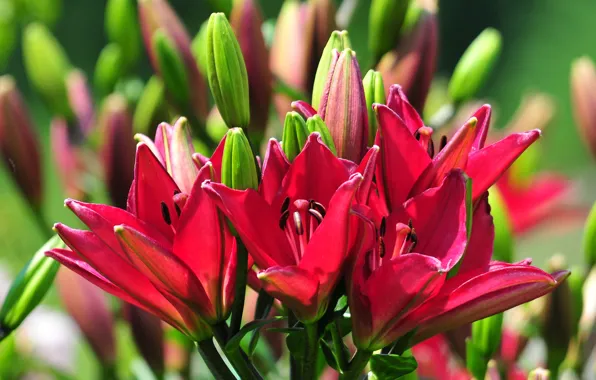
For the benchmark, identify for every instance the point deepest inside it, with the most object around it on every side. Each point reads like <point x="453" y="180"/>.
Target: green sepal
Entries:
<point x="374" y="92"/>
<point x="238" y="168"/>
<point x="294" y="135"/>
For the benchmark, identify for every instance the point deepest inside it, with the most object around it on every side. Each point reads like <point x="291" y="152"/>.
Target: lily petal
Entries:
<point x="398" y="103"/>
<point x="402" y="159"/>
<point x="184" y="170"/>
<point x="485" y="166"/>
<point x="275" y="167"/>
<point x="367" y="168"/>
<point x="480" y="247"/>
<point x="304" y="109"/>
<point x="483" y="115"/>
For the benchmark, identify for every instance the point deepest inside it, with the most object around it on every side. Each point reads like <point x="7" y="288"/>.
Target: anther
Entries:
<point x="443" y="142"/>
<point x="285" y="205"/>
<point x="381" y="247"/>
<point x="284" y="219"/>
<point x="431" y="149"/>
<point x="176" y="192"/>
<point x="318" y="207"/>
<point x="298" y="223"/>
<point x="417" y="135"/>
<point x="317" y="215"/>
<point x="177" y="208"/>
<point x="383" y="227"/>
<point x="165" y="213"/>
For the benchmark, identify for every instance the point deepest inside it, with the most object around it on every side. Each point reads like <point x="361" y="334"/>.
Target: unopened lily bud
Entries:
<point x="150" y="110"/>
<point x="171" y="65"/>
<point x="484" y="342"/>
<point x="158" y="15"/>
<point x="148" y="334"/>
<point x="412" y="63"/>
<point x="238" y="168"/>
<point x="294" y="135"/>
<point x="68" y="158"/>
<point x="108" y="68"/>
<point x="246" y="20"/>
<point x="475" y="65"/>
<point x="339" y="41"/>
<point x="343" y="107"/>
<point x="47" y="66"/>
<point x="227" y="74"/>
<point x="29" y="288"/>
<point x="80" y="101"/>
<point x="122" y="28"/>
<point x="503" y="242"/>
<point x="88" y="306"/>
<point x="316" y="124"/>
<point x="199" y="48"/>
<point x="118" y="148"/>
<point x="19" y="147"/>
<point x="385" y="21"/>
<point x="374" y="92"/>
<point x="539" y="374"/>
<point x="583" y="85"/>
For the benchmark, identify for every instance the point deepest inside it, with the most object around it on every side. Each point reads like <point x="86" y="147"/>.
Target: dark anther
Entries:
<point x="165" y="213"/>
<point x="443" y="142"/>
<point x="383" y="227"/>
<point x="431" y="149"/>
<point x="414" y="239"/>
<point x="176" y="192"/>
<point x="284" y="219"/>
<point x="178" y="211"/>
<point x="417" y="135"/>
<point x="410" y="223"/>
<point x="318" y="207"/>
<point x="317" y="215"/>
<point x="381" y="247"/>
<point x="298" y="223"/>
<point x="285" y="205"/>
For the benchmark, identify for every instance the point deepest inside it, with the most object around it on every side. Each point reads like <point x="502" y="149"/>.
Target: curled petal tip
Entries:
<point x="560" y="276"/>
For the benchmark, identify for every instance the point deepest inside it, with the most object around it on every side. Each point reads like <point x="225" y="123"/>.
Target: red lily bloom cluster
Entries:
<point x="398" y="226"/>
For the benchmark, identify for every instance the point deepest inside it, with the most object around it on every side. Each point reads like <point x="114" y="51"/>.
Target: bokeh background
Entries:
<point x="541" y="38"/>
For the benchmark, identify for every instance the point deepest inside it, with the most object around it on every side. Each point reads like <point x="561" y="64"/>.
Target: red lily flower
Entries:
<point x="172" y="254"/>
<point x="414" y="263"/>
<point x="407" y="144"/>
<point x="297" y="227"/>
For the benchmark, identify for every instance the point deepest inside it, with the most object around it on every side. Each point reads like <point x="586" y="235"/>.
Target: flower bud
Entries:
<point x="171" y="67"/>
<point x="80" y="101"/>
<point x="539" y="374"/>
<point x="384" y="24"/>
<point x="46" y="65"/>
<point x="583" y="85"/>
<point x="316" y="124"/>
<point x="19" y="146"/>
<point x="227" y="74"/>
<point x="118" y="148"/>
<point x="68" y="157"/>
<point x="374" y="92"/>
<point x="29" y="288"/>
<point x="412" y="64"/>
<point x="475" y="65"/>
<point x="108" y="68"/>
<point x="88" y="306"/>
<point x="158" y="15"/>
<point x="294" y="135"/>
<point x="482" y="345"/>
<point x="122" y="28"/>
<point x="338" y="41"/>
<point x="199" y="48"/>
<point x="150" y="110"/>
<point x="343" y="107"/>
<point x="8" y="33"/>
<point x="238" y="168"/>
<point x="246" y="20"/>
<point x="148" y="335"/>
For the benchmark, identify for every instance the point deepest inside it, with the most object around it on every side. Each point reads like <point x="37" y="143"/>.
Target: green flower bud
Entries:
<point x="485" y="340"/>
<point x="226" y="72"/>
<point x="44" y="11"/>
<point x="590" y="238"/>
<point x="503" y="244"/>
<point x="47" y="66"/>
<point x="339" y="41"/>
<point x="171" y="67"/>
<point x="108" y="68"/>
<point x="150" y="107"/>
<point x="385" y="21"/>
<point x="316" y="124"/>
<point x="238" y="168"/>
<point x="29" y="288"/>
<point x="374" y="92"/>
<point x="122" y="28"/>
<point x="294" y="135"/>
<point x="475" y="65"/>
<point x="8" y="31"/>
<point x="199" y="48"/>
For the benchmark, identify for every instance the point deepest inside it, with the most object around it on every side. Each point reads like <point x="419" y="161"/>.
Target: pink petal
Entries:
<point x="480" y="247"/>
<point x="367" y="168"/>
<point x="398" y="103"/>
<point x="304" y="109"/>
<point x="402" y="159"/>
<point x="275" y="167"/>
<point x="485" y="166"/>
<point x="483" y="115"/>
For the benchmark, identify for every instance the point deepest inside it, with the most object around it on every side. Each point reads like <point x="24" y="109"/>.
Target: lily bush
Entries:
<point x="367" y="234"/>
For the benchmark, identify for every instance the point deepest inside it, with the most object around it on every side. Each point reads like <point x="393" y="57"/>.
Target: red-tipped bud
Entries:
<point x="19" y="147"/>
<point x="69" y="159"/>
<point x="343" y="107"/>
<point x="246" y="20"/>
<point x="80" y="100"/>
<point x="118" y="148"/>
<point x="583" y="93"/>
<point x="158" y="15"/>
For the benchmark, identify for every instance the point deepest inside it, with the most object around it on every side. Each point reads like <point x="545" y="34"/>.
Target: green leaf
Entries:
<point x="391" y="367"/>
<point x="329" y="355"/>
<point x="285" y="330"/>
<point x="234" y="342"/>
<point x="403" y="343"/>
<point x="295" y="342"/>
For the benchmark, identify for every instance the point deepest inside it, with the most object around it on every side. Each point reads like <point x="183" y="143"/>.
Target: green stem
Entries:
<point x="294" y="365"/>
<point x="236" y="356"/>
<point x="240" y="288"/>
<point x="311" y="351"/>
<point x="357" y="365"/>
<point x="216" y="365"/>
<point x="338" y="343"/>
